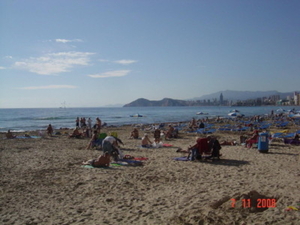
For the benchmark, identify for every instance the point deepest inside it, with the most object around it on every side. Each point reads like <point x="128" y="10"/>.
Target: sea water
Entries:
<point x="18" y="120"/>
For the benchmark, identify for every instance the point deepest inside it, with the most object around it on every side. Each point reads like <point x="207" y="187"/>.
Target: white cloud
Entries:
<point x="125" y="61"/>
<point x="8" y="57"/>
<point x="48" y="87"/>
<point x="67" y="41"/>
<point x="2" y="68"/>
<point x="115" y="73"/>
<point x="54" y="63"/>
<point x="103" y="60"/>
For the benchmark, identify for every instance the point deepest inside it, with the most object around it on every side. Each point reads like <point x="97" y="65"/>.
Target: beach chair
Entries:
<point x="283" y="124"/>
<point x="252" y="142"/>
<point x="210" y="131"/>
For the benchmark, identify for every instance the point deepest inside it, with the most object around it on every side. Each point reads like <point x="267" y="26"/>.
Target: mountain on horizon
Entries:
<point x="142" y="102"/>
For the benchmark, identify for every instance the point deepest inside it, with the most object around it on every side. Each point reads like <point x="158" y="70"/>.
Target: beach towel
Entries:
<point x="129" y="157"/>
<point x="140" y="158"/>
<point x="291" y="141"/>
<point x="23" y="137"/>
<point x="111" y="165"/>
<point x="167" y="145"/>
<point x="183" y="158"/>
<point x="130" y="161"/>
<point x="150" y="146"/>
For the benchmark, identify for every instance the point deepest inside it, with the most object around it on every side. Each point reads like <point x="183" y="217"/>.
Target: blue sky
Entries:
<point x="97" y="53"/>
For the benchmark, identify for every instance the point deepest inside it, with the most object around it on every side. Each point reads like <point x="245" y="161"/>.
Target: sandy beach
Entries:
<point x="43" y="182"/>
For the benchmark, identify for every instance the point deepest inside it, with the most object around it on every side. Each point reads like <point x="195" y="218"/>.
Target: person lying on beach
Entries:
<point x="228" y="143"/>
<point x="93" y="140"/>
<point x="75" y="133"/>
<point x="49" y="130"/>
<point x="110" y="146"/>
<point x="101" y="161"/>
<point x="10" y="135"/>
<point x="134" y="134"/>
<point x="146" y="143"/>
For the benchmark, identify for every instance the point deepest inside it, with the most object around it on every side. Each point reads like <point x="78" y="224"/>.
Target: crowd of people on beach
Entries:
<point x="205" y="147"/>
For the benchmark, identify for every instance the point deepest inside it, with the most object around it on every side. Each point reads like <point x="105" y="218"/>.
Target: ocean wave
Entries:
<point x="49" y="118"/>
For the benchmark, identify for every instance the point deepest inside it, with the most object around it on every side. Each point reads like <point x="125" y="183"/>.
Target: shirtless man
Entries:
<point x="101" y="161"/>
<point x="146" y="143"/>
<point x="169" y="132"/>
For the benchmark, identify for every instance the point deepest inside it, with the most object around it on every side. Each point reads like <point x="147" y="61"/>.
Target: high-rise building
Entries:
<point x="221" y="99"/>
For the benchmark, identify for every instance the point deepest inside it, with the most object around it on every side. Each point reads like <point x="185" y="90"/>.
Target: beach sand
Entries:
<point x="43" y="182"/>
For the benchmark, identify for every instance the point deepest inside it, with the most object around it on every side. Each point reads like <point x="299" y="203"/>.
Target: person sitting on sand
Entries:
<point x="169" y="132"/>
<point x="146" y="143"/>
<point x="157" y="135"/>
<point x="93" y="140"/>
<point x="10" y="135"/>
<point x="252" y="139"/>
<point x="110" y="145"/>
<point x="193" y="124"/>
<point x="201" y="125"/>
<point x="134" y="134"/>
<point x="101" y="161"/>
<point x="75" y="133"/>
<point x="49" y="130"/>
<point x="201" y="146"/>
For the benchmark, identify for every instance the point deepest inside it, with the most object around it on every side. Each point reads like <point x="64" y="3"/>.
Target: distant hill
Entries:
<point x="227" y="95"/>
<point x="142" y="102"/>
<point x="242" y="95"/>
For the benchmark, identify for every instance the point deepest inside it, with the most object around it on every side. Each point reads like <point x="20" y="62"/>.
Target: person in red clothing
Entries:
<point x="253" y="139"/>
<point x="201" y="146"/>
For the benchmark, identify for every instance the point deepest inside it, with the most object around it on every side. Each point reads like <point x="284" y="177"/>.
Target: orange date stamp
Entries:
<point x="259" y="203"/>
